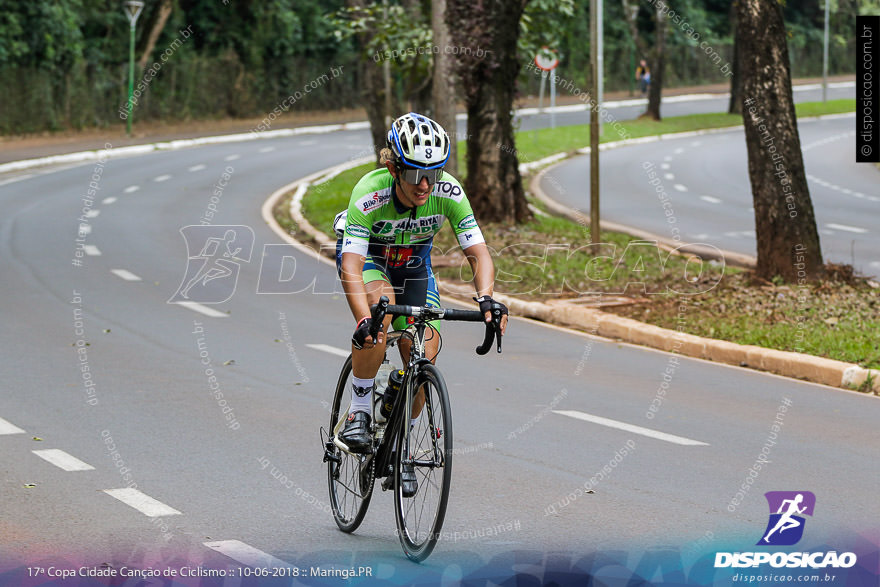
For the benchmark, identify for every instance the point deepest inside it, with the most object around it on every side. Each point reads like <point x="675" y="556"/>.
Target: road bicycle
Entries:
<point x="426" y="442"/>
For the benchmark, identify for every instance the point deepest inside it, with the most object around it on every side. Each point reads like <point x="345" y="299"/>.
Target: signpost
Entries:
<point x="546" y="60"/>
<point x="133" y="10"/>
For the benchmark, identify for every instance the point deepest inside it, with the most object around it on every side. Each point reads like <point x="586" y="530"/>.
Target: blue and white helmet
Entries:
<point x="419" y="142"/>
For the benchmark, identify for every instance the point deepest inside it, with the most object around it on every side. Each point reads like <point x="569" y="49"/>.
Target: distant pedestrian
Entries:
<point x="643" y="76"/>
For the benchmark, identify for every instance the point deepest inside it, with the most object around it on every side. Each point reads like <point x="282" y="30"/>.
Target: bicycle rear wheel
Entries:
<point x="428" y="446"/>
<point x="350" y="477"/>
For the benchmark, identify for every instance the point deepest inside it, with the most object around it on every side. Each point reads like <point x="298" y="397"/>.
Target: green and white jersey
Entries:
<point x="376" y="225"/>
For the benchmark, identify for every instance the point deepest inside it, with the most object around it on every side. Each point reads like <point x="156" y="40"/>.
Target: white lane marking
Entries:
<point x="85" y="229"/>
<point x="142" y="502"/>
<point x="875" y="263"/>
<point x="630" y="428"/>
<point x="664" y="166"/>
<point x="203" y="309"/>
<point x="710" y="199"/>
<point x="131" y="189"/>
<point x="266" y="150"/>
<point x="680" y="187"/>
<point x="847" y="228"/>
<point x="62" y="460"/>
<point x="667" y="158"/>
<point x="700" y="236"/>
<point x="9" y="428"/>
<point x="669" y="176"/>
<point x="125" y="274"/>
<point x="231" y="157"/>
<point x="696" y="143"/>
<point x="165" y="177"/>
<point x="92" y="213"/>
<point x="329" y="349"/>
<point x="92" y="250"/>
<point x="678" y="151"/>
<point x="109" y="200"/>
<point x="198" y="167"/>
<point x="247" y="554"/>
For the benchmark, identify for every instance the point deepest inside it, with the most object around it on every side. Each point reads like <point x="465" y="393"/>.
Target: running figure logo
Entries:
<point x="212" y="274"/>
<point x="786" y="526"/>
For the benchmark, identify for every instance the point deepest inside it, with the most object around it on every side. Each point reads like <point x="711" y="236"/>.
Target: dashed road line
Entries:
<point x="125" y="274"/>
<point x="160" y="178"/>
<point x="329" y="349"/>
<point x="266" y="150"/>
<point x="93" y="213"/>
<point x="9" y="428"/>
<point x="198" y="167"/>
<point x="109" y="200"/>
<point x="665" y="166"/>
<point x="131" y="189"/>
<point x="668" y="176"/>
<point x="680" y="187"/>
<point x="678" y="151"/>
<point x="142" y="502"/>
<point x="85" y="228"/>
<point x="63" y="460"/>
<point x="231" y="157"/>
<point x="630" y="428"/>
<point x="246" y="554"/>
<point x="92" y="250"/>
<point x="196" y="307"/>
<point x="847" y="228"/>
<point x="710" y="199"/>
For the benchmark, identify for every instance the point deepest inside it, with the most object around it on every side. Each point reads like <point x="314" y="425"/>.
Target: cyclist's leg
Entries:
<point x="420" y="288"/>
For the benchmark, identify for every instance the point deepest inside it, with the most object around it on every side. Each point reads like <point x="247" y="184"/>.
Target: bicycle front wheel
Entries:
<point x="428" y="448"/>
<point x="350" y="477"/>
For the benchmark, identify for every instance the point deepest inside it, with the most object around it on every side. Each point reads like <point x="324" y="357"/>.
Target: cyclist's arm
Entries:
<point x="484" y="274"/>
<point x="353" y="284"/>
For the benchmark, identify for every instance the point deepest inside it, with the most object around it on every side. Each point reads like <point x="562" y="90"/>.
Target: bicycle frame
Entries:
<point x="402" y="409"/>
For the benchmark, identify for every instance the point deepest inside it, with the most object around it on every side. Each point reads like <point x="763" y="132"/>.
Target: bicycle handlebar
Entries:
<point x="493" y="328"/>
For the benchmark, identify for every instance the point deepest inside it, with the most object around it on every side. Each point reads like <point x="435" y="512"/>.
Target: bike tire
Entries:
<point x="420" y="517"/>
<point x="350" y="491"/>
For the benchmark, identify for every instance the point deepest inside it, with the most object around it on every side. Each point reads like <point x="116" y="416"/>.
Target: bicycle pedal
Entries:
<point x="388" y="482"/>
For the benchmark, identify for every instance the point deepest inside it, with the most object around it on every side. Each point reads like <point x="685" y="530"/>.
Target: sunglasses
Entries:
<point x="415" y="176"/>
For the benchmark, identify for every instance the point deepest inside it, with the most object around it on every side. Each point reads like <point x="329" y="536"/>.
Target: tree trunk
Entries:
<point x="488" y="73"/>
<point x="373" y="82"/>
<point x="155" y="31"/>
<point x="735" y="105"/>
<point x="788" y="242"/>
<point x="654" y="56"/>
<point x="443" y="88"/>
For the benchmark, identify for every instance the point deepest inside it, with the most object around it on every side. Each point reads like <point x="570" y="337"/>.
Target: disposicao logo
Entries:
<point x="786" y="525"/>
<point x="785" y="528"/>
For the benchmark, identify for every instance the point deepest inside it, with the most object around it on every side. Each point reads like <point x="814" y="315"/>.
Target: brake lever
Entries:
<point x="496" y="326"/>
<point x="378" y="311"/>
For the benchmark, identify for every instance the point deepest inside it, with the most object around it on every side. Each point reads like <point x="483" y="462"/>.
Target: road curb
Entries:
<point x="604" y="324"/>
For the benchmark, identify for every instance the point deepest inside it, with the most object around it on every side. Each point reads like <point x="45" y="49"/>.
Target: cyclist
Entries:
<point x="384" y="248"/>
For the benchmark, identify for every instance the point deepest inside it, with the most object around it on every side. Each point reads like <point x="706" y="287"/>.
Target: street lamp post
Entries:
<point x="133" y="10"/>
<point x="825" y="57"/>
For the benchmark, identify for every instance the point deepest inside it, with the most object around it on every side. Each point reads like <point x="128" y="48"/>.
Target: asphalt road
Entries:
<point x="706" y="181"/>
<point x="254" y="487"/>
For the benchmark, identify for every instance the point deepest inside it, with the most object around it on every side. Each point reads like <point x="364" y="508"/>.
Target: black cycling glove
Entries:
<point x="487" y="304"/>
<point x="361" y="332"/>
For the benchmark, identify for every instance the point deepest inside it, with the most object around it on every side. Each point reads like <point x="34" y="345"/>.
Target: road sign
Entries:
<point x="546" y="59"/>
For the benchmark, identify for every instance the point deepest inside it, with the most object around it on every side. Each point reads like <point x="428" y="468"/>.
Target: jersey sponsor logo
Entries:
<point x="398" y="256"/>
<point x="426" y="225"/>
<point x="468" y="222"/>
<point x="374" y="200"/>
<point x="446" y="189"/>
<point x="357" y="231"/>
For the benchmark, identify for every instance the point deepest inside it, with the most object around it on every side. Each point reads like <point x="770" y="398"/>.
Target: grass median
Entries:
<point x="550" y="258"/>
